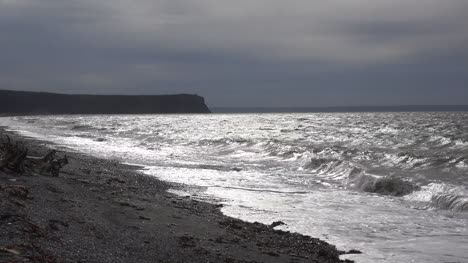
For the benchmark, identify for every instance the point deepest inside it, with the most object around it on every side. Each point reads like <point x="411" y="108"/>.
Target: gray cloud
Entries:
<point x="241" y="53"/>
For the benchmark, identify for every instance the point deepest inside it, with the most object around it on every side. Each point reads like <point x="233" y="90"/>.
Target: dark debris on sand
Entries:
<point x="105" y="211"/>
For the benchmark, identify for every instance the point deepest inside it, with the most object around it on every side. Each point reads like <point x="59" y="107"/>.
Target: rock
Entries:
<point x="271" y="253"/>
<point x="277" y="223"/>
<point x="187" y="241"/>
<point x="353" y="251"/>
<point x="17" y="191"/>
<point x="219" y="240"/>
<point x="116" y="180"/>
<point x="229" y="223"/>
<point x="54" y="224"/>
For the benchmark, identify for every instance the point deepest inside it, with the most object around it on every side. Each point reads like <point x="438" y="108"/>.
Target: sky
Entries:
<point x="243" y="53"/>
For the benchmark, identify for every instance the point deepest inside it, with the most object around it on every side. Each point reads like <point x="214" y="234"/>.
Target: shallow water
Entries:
<point x="394" y="185"/>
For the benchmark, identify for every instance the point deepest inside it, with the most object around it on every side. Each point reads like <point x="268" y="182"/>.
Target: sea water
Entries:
<point x="393" y="185"/>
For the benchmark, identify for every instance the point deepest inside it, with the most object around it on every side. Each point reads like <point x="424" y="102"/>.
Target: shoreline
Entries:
<point x="100" y="210"/>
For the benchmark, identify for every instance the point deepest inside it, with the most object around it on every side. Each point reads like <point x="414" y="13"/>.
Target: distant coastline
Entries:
<point x="404" y="108"/>
<point x="40" y="103"/>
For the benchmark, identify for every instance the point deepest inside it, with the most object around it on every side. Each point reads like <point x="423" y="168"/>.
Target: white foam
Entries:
<point x="263" y="174"/>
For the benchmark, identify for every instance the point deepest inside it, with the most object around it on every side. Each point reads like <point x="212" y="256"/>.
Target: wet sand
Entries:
<point x="104" y="211"/>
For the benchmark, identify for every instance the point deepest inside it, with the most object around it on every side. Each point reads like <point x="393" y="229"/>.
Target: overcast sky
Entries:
<point x="242" y="52"/>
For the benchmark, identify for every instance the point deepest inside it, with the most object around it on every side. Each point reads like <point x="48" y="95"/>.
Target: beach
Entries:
<point x="104" y="211"/>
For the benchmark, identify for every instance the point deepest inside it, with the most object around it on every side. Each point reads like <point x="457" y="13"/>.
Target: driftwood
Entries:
<point x="53" y="166"/>
<point x="47" y="158"/>
<point x="14" y="157"/>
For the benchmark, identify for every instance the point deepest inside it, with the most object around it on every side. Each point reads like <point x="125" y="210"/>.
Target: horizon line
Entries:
<point x="383" y="108"/>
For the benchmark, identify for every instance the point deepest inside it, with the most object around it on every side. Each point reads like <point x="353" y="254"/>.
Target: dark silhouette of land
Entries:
<point x="22" y="102"/>
<point x="403" y="108"/>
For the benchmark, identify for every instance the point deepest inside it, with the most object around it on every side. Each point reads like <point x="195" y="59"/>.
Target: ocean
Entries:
<point x="393" y="185"/>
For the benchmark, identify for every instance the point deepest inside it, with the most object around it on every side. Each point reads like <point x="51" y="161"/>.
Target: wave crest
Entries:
<point x="442" y="196"/>
<point x="384" y="185"/>
<point x="450" y="202"/>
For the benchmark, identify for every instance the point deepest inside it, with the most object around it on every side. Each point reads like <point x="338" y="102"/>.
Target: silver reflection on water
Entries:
<point x="391" y="184"/>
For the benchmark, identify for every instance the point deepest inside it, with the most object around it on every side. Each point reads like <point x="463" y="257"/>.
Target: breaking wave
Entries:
<point x="450" y="202"/>
<point x="442" y="196"/>
<point x="392" y="186"/>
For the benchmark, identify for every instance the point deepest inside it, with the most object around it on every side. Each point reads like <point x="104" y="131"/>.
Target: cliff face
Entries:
<point x="21" y="102"/>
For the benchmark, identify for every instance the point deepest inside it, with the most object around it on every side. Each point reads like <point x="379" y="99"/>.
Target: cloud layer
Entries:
<point x="241" y="53"/>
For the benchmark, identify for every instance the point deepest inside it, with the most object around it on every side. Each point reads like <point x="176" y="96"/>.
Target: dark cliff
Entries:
<point x="22" y="102"/>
